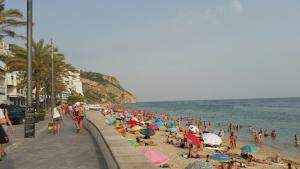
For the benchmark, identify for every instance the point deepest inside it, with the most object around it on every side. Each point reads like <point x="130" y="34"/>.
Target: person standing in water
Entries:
<point x="260" y="137"/>
<point x="297" y="140"/>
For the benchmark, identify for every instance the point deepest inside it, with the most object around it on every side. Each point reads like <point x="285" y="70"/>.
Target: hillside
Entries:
<point x="99" y="88"/>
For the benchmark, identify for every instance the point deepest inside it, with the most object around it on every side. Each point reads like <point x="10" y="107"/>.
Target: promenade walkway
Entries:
<point x="47" y="151"/>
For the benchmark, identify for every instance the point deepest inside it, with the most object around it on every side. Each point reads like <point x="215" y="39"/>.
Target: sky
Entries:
<point x="164" y="50"/>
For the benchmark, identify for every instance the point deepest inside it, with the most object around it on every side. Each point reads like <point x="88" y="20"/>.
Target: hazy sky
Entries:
<point x="180" y="49"/>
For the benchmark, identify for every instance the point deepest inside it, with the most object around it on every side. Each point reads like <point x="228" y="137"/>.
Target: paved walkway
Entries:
<point x="68" y="150"/>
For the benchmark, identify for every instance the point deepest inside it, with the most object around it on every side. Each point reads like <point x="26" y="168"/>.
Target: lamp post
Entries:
<point x="29" y="128"/>
<point x="52" y="78"/>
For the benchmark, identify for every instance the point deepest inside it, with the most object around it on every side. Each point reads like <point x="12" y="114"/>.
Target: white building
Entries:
<point x="73" y="83"/>
<point x="2" y="83"/>
<point x="14" y="95"/>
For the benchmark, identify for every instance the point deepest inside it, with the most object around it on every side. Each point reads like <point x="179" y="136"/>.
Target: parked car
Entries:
<point x="15" y="113"/>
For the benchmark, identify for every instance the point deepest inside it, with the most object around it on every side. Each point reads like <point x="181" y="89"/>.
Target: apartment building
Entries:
<point x="73" y="83"/>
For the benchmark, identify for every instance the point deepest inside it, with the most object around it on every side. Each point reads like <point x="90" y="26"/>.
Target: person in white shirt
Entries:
<point x="57" y="117"/>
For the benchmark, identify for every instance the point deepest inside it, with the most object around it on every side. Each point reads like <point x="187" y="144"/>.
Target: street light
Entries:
<point x="52" y="78"/>
<point x="29" y="128"/>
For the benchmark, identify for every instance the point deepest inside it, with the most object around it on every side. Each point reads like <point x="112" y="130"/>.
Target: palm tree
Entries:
<point x="41" y="71"/>
<point x="10" y="18"/>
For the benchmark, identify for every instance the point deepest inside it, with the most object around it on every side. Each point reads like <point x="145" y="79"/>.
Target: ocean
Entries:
<point x="280" y="114"/>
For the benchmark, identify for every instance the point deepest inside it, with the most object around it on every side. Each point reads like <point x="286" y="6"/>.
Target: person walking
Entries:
<point x="76" y="116"/>
<point x="57" y="117"/>
<point x="4" y="120"/>
<point x="81" y="115"/>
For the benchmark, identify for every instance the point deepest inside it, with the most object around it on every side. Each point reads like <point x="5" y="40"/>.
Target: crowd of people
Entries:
<point x="179" y="138"/>
<point x="61" y="110"/>
<point x="260" y="134"/>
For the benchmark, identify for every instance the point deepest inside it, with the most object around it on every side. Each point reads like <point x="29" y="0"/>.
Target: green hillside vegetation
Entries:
<point x="100" y="88"/>
<point x="97" y="77"/>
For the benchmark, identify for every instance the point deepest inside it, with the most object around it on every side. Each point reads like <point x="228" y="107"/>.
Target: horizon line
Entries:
<point x="251" y="98"/>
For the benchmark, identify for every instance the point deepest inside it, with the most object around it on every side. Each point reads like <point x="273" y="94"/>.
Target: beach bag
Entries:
<point x="50" y="126"/>
<point x="3" y="136"/>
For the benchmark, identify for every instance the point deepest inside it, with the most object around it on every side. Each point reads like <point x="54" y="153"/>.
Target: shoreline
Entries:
<point x="172" y="151"/>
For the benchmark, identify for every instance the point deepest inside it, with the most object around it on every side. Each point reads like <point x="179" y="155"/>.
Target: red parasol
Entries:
<point x="133" y="122"/>
<point x="193" y="138"/>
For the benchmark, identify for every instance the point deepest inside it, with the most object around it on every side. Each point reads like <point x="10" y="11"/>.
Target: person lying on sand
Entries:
<point x="225" y="151"/>
<point x="231" y="165"/>
<point x="244" y="155"/>
<point x="276" y="159"/>
<point x="224" y="165"/>
<point x="252" y="159"/>
<point x="290" y="166"/>
<point x="170" y="140"/>
<point x="147" y="142"/>
<point x="194" y="152"/>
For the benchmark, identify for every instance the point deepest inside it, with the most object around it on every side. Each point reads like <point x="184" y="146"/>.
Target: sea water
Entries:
<point x="280" y="114"/>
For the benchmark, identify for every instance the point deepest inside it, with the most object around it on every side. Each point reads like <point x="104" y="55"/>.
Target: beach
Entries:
<point x="279" y="114"/>
<point x="178" y="162"/>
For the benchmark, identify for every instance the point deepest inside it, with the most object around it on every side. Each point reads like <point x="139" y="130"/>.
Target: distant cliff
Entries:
<point x="99" y="88"/>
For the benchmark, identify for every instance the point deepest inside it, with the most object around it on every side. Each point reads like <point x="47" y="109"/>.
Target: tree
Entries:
<point x="10" y="18"/>
<point x="41" y="68"/>
<point x="75" y="97"/>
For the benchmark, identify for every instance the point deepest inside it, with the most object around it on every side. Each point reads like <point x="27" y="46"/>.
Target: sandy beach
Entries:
<point x="178" y="162"/>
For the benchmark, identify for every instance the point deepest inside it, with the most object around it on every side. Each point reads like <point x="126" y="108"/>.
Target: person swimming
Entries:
<point x="273" y="134"/>
<point x="266" y="134"/>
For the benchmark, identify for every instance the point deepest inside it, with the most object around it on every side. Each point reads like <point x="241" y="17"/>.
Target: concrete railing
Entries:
<point x="117" y="151"/>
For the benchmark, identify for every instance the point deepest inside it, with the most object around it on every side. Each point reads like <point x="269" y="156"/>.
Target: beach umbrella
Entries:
<point x="172" y="124"/>
<point x="147" y="132"/>
<point x="133" y="142"/>
<point x="133" y="122"/>
<point x="136" y="128"/>
<point x="173" y="129"/>
<point x="194" y="129"/>
<point x="195" y="140"/>
<point x="159" y="123"/>
<point x="220" y="157"/>
<point x="153" y="127"/>
<point x="150" y="121"/>
<point x="249" y="148"/>
<point x="199" y="165"/>
<point x="212" y="139"/>
<point x="157" y="158"/>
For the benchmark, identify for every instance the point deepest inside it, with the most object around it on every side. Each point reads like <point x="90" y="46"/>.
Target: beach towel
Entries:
<point x="214" y="148"/>
<point x="133" y="142"/>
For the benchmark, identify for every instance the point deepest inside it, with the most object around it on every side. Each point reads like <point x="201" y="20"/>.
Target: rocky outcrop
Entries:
<point x="99" y="88"/>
